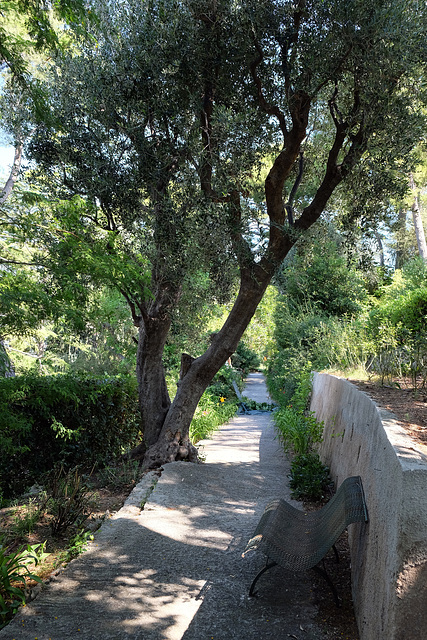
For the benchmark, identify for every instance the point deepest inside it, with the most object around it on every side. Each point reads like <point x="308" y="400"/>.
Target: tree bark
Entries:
<point x="400" y="238"/>
<point x="13" y="176"/>
<point x="173" y="442"/>
<point x="418" y="223"/>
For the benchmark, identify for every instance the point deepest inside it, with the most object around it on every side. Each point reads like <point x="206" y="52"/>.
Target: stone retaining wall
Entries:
<point x="389" y="554"/>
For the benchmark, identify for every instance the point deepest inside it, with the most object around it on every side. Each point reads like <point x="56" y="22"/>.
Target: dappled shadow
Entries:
<point x="174" y="571"/>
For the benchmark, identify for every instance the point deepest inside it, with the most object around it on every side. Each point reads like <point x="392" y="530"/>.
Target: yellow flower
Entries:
<point x="222" y="399"/>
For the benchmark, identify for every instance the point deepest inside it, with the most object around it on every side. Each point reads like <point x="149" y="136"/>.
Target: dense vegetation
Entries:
<point x="184" y="150"/>
<point x="204" y="183"/>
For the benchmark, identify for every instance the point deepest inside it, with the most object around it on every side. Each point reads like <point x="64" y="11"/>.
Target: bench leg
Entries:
<point x="268" y="566"/>
<point x="337" y="558"/>
<point x="324" y="575"/>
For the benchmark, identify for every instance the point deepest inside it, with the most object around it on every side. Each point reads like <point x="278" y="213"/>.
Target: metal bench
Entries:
<point x="299" y="540"/>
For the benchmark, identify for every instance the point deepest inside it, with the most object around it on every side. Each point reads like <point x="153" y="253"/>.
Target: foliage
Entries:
<point x="216" y="406"/>
<point x="25" y="522"/>
<point x="397" y="327"/>
<point x="77" y="545"/>
<point x="69" y="499"/>
<point x="309" y="477"/>
<point x="245" y="359"/>
<point x="29" y="26"/>
<point x="14" y="573"/>
<point x="69" y="419"/>
<point x="253" y="405"/>
<point x="298" y="428"/>
<point x="319" y="276"/>
<point x="299" y="431"/>
<point x="319" y="315"/>
<point x="212" y="411"/>
<point x="224" y="381"/>
<point x="259" y="334"/>
<point x="311" y="338"/>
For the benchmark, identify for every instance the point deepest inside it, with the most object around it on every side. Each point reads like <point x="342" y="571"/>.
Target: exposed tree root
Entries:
<point x="170" y="449"/>
<point x="137" y="453"/>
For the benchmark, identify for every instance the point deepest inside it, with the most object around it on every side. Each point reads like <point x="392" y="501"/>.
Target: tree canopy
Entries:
<point x="208" y="137"/>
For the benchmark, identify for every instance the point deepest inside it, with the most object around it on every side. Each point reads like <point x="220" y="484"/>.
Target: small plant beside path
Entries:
<point x="299" y="431"/>
<point x="34" y="541"/>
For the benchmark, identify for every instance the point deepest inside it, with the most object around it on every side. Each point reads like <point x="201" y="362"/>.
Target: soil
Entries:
<point x="104" y="498"/>
<point x="409" y="405"/>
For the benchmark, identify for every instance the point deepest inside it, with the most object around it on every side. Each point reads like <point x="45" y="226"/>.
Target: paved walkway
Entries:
<point x="173" y="571"/>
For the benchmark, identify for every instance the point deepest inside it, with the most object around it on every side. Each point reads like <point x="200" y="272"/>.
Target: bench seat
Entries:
<point x="299" y="540"/>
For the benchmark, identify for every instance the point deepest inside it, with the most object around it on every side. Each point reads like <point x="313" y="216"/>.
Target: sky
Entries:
<point x="6" y="159"/>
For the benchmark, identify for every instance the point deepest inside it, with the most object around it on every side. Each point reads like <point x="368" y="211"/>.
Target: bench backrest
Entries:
<point x="298" y="539"/>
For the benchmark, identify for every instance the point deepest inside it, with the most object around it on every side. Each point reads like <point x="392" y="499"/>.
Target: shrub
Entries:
<point x="69" y="419"/>
<point x="245" y="359"/>
<point x="69" y="499"/>
<point x="309" y="477"/>
<point x="299" y="430"/>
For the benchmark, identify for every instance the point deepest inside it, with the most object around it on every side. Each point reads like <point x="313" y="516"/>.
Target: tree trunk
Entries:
<point x="154" y="401"/>
<point x="379" y="240"/>
<point x="7" y="369"/>
<point x="173" y="442"/>
<point x="418" y="223"/>
<point x="7" y="189"/>
<point x="400" y="238"/>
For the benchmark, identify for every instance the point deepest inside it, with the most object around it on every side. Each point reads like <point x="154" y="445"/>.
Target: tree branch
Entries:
<point x="334" y="173"/>
<point x="272" y="110"/>
<point x="241" y="247"/>
<point x="23" y="264"/>
<point x="290" y="38"/>
<point x="289" y="204"/>
<point x="137" y="319"/>
<point x="13" y="176"/>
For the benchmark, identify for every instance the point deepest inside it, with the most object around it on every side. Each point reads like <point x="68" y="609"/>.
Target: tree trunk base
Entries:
<point x="137" y="453"/>
<point x="170" y="449"/>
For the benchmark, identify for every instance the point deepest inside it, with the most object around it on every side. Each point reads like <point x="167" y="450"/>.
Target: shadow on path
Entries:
<point x="174" y="570"/>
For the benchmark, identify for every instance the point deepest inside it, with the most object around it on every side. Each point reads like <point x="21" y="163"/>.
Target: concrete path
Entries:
<point x="174" y="571"/>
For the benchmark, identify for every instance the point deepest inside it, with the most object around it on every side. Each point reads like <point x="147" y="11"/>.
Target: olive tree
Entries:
<point x="183" y="127"/>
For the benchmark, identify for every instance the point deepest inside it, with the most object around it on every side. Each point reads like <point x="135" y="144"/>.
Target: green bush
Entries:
<point x="69" y="499"/>
<point x="398" y="336"/>
<point x="245" y="359"/>
<point x="299" y="430"/>
<point x="68" y="419"/>
<point x="212" y="411"/>
<point x="309" y="477"/>
<point x="317" y="275"/>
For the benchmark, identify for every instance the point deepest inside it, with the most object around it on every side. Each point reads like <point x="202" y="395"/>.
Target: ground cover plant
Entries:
<point x="14" y="575"/>
<point x="42" y="532"/>
<point x="299" y="431"/>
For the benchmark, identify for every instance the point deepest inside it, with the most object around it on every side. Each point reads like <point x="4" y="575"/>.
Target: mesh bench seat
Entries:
<point x="299" y="540"/>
